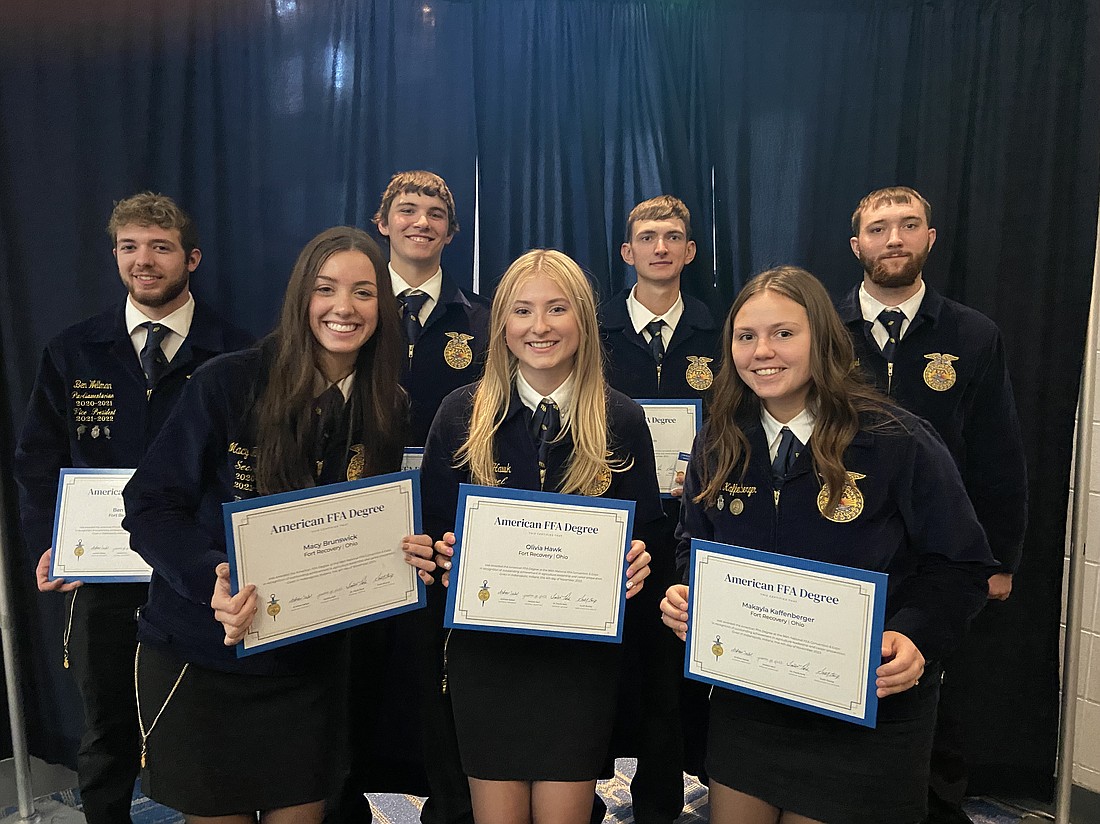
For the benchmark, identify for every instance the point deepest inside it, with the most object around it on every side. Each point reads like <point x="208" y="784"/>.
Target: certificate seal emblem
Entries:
<point x="698" y="373"/>
<point x="457" y="353"/>
<point x="79" y="550"/>
<point x="939" y="375"/>
<point x="483" y="593"/>
<point x="273" y="608"/>
<point x="717" y="648"/>
<point x="601" y="484"/>
<point x="356" y="463"/>
<point x="737" y="506"/>
<point x="851" y="501"/>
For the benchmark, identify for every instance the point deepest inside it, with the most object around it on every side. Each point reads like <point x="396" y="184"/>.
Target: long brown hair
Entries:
<point x="586" y="419"/>
<point x="378" y="402"/>
<point x="837" y="396"/>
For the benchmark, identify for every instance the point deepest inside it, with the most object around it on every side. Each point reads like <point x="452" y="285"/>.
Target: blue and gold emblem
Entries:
<point x="698" y="374"/>
<point x="851" y="500"/>
<point x="939" y="375"/>
<point x="601" y="484"/>
<point x="457" y="353"/>
<point x="356" y="463"/>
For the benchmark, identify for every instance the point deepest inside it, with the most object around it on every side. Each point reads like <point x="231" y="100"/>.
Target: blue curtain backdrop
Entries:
<point x="272" y="119"/>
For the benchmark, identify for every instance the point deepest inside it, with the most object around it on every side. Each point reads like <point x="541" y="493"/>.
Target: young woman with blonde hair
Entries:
<point x="534" y="714"/>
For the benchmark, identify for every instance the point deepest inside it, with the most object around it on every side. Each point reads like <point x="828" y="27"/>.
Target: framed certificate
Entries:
<point x="412" y="458"/>
<point x="89" y="543"/>
<point x="799" y="632"/>
<point x="673" y="424"/>
<point x="539" y="563"/>
<point x="324" y="559"/>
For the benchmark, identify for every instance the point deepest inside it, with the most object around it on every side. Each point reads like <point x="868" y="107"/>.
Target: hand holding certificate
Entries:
<point x="541" y="563"/>
<point x="321" y="560"/>
<point x="794" y="631"/>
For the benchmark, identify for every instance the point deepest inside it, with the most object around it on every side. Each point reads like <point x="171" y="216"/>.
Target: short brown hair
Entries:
<point x="153" y="209"/>
<point x="662" y="207"/>
<point x="417" y="182"/>
<point x="888" y="197"/>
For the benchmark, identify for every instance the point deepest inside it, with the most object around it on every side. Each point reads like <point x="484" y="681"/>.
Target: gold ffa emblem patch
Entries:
<point x="356" y="463"/>
<point x="457" y="353"/>
<point x="698" y="373"/>
<point x="601" y="484"/>
<point x="940" y="375"/>
<point x="851" y="500"/>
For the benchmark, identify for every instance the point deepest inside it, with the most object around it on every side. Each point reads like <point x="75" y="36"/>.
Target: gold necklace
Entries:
<point x="145" y="733"/>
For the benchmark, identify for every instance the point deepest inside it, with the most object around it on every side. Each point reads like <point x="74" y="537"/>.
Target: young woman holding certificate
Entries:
<point x="799" y="457"/>
<point x="316" y="402"/>
<point x="534" y="714"/>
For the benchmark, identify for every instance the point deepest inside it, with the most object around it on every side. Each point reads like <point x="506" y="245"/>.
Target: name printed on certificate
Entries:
<point x="673" y="425"/>
<point x="324" y="559"/>
<point x="539" y="563"/>
<point x="89" y="543"/>
<point x="799" y="632"/>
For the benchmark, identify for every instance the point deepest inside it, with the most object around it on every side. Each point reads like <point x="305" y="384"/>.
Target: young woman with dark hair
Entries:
<point x="316" y="402"/>
<point x="865" y="485"/>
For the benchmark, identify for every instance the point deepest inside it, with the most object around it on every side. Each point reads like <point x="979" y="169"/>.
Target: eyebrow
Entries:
<point x="913" y="216"/>
<point x="331" y="279"/>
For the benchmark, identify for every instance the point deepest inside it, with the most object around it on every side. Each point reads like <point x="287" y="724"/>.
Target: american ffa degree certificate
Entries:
<point x="324" y="559"/>
<point x="539" y="563"/>
<point x="799" y="632"/>
<point x="673" y="425"/>
<point x="89" y="543"/>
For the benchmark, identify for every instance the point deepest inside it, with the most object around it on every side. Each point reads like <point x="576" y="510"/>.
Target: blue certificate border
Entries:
<point x="231" y="507"/>
<point x="878" y="620"/>
<point x="467" y="490"/>
<point x="91" y="578"/>
<point x="696" y="402"/>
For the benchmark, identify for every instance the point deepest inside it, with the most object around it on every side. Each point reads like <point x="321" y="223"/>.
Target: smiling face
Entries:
<point x="154" y="267"/>
<point x="418" y="227"/>
<point x="659" y="250"/>
<point x="343" y="311"/>
<point x="543" y="332"/>
<point x="771" y="351"/>
<point x="893" y="244"/>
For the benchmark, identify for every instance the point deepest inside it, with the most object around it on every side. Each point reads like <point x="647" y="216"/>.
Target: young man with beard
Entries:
<point x="658" y="343"/>
<point x="135" y="360"/>
<point x="945" y="362"/>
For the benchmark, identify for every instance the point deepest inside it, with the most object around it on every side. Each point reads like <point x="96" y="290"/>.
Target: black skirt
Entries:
<point x="823" y="768"/>
<point x="228" y="743"/>
<point x="531" y="708"/>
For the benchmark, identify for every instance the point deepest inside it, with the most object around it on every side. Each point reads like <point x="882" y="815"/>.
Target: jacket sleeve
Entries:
<point x="42" y="451"/>
<point x="439" y="479"/>
<point x="164" y="497"/>
<point x="995" y="473"/>
<point x="946" y="585"/>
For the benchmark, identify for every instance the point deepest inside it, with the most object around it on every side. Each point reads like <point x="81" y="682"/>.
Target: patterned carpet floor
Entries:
<point x="405" y="809"/>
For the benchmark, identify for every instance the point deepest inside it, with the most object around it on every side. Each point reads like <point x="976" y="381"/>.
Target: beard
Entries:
<point x="887" y="278"/>
<point x="172" y="290"/>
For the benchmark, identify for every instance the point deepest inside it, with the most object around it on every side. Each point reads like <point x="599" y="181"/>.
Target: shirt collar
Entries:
<point x="871" y="307"/>
<point x="640" y="316"/>
<point x="320" y="384"/>
<point x="179" y="321"/>
<point x="530" y="398"/>
<point x="431" y="287"/>
<point x="802" y="425"/>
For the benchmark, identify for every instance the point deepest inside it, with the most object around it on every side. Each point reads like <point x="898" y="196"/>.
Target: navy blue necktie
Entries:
<point x="656" y="342"/>
<point x="411" y="304"/>
<point x="545" y="425"/>
<point x="328" y="408"/>
<point x="786" y="455"/>
<point x="153" y="361"/>
<point x="891" y="319"/>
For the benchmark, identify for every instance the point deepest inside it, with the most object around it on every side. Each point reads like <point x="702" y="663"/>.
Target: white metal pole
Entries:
<point x="1078" y="540"/>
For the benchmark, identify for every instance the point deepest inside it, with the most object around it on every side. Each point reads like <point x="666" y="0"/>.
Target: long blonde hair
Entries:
<point x="585" y="418"/>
